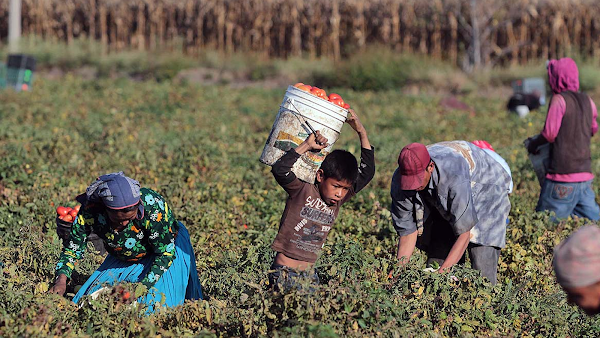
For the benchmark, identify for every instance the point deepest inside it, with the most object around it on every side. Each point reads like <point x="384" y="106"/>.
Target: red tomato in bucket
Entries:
<point x="319" y="92"/>
<point x="338" y="102"/>
<point x="334" y="96"/>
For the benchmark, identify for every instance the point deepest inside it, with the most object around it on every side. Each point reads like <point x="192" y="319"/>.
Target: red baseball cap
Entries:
<point x="413" y="161"/>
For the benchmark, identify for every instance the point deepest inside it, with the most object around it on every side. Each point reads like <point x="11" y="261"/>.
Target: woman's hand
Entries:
<point x="60" y="285"/>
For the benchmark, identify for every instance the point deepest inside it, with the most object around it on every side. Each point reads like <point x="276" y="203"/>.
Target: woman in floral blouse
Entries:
<point x="145" y="243"/>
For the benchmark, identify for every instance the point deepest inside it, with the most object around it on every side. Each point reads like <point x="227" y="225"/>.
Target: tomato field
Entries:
<point x="199" y="146"/>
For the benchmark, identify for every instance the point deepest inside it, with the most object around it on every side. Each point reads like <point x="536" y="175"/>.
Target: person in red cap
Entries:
<point x="447" y="198"/>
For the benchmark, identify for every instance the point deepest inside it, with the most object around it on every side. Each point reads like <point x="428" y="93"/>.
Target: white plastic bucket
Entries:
<point x="290" y="129"/>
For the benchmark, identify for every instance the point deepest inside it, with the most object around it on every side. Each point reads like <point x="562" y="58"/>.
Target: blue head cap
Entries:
<point x="115" y="190"/>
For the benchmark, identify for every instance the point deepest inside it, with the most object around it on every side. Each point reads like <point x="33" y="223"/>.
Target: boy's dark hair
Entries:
<point x="340" y="165"/>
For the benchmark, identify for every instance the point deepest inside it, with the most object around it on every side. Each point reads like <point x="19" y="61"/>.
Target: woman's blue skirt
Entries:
<point x="178" y="283"/>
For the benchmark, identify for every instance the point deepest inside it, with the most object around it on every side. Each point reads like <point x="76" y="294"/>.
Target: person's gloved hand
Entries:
<point x="532" y="147"/>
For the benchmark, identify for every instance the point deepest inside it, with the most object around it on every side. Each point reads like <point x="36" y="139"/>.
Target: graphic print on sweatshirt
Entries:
<point x="321" y="216"/>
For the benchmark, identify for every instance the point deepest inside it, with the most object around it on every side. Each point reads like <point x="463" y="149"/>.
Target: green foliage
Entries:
<point x="199" y="147"/>
<point x="380" y="70"/>
<point x="589" y="77"/>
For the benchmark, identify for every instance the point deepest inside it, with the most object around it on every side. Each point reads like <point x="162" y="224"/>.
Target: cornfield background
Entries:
<point x="465" y="32"/>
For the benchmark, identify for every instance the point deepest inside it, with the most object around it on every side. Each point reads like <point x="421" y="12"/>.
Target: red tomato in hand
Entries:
<point x="62" y="210"/>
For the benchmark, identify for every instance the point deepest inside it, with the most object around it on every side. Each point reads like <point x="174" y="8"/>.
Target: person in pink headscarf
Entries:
<point x="577" y="266"/>
<point x="570" y="124"/>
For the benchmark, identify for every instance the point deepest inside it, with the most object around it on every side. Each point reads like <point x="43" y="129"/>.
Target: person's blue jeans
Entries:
<point x="567" y="199"/>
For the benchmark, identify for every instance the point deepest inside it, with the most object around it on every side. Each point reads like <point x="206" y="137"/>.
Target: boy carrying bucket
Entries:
<point x="311" y="209"/>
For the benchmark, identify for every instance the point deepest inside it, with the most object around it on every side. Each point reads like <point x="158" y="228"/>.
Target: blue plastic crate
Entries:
<point x="19" y="71"/>
<point x="531" y="85"/>
<point x="2" y="75"/>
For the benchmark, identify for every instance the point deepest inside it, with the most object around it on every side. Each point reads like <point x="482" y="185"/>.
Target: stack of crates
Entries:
<point x="19" y="72"/>
<point x="531" y="85"/>
<point x="2" y="75"/>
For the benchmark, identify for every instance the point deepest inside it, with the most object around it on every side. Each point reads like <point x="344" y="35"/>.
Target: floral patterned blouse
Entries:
<point x="153" y="234"/>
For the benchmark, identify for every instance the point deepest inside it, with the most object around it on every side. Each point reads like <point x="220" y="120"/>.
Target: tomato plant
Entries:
<point x="198" y="147"/>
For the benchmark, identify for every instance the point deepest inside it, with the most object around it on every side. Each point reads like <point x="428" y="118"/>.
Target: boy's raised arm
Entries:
<point x="282" y="169"/>
<point x="366" y="168"/>
<point x="355" y="123"/>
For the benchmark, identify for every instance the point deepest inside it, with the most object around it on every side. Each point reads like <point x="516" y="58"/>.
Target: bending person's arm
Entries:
<point x="406" y="247"/>
<point x="403" y="220"/>
<point x="70" y="255"/>
<point x="464" y="218"/>
<point x="456" y="252"/>
<point x="162" y="239"/>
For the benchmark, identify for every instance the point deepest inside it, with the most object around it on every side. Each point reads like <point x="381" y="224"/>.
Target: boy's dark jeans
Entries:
<point x="283" y="278"/>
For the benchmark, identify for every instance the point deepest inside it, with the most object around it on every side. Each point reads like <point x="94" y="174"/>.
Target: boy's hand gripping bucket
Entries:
<point x="299" y="114"/>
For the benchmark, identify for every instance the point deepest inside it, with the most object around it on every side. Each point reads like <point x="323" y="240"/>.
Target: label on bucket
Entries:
<point x="298" y="114"/>
<point x="285" y="142"/>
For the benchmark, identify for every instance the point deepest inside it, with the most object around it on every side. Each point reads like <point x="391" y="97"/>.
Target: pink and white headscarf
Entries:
<point x="483" y="144"/>
<point x="577" y="258"/>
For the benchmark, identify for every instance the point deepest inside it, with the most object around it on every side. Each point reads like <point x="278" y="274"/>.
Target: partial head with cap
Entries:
<point x="416" y="166"/>
<point x="577" y="266"/>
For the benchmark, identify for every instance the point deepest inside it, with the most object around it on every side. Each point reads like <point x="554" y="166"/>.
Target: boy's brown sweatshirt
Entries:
<point x="307" y="219"/>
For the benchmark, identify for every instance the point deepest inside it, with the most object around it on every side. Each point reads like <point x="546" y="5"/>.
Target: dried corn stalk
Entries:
<point x="514" y="31"/>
